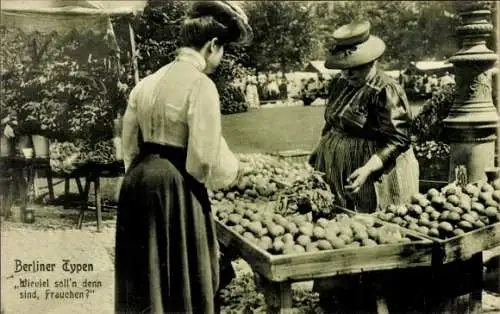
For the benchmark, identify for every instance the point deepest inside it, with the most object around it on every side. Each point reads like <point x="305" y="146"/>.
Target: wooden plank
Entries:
<point x="309" y="265"/>
<point x="293" y="153"/>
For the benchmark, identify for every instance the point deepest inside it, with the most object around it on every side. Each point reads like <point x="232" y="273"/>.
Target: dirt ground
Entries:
<point x="54" y="238"/>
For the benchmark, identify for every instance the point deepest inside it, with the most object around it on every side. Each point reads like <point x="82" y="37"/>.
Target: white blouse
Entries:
<point x="179" y="105"/>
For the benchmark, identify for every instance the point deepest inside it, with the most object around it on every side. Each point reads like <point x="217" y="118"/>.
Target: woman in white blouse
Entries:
<point x="166" y="246"/>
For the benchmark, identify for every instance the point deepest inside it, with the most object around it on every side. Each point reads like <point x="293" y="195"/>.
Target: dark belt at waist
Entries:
<point x="176" y="155"/>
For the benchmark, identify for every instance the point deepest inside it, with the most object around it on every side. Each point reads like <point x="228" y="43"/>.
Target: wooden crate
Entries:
<point x="296" y="155"/>
<point x="311" y="265"/>
<point x="462" y="247"/>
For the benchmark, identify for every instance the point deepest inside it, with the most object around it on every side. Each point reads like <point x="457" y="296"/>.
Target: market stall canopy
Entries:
<point x="430" y="67"/>
<point x="63" y="16"/>
<point x="318" y="66"/>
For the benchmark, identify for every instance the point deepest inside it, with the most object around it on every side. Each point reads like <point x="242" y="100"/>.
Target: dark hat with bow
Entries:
<point x="353" y="46"/>
<point x="228" y="14"/>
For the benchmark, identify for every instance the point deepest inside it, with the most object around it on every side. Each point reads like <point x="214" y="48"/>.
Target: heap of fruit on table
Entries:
<point x="450" y="212"/>
<point x="294" y="186"/>
<point x="273" y="206"/>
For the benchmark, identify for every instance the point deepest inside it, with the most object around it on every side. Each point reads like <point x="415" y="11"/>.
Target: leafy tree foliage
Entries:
<point x="412" y="30"/>
<point x="284" y="34"/>
<point x="157" y="33"/>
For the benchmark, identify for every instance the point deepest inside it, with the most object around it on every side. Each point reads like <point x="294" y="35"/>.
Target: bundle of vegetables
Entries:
<point x="310" y="194"/>
<point x="99" y="152"/>
<point x="65" y="157"/>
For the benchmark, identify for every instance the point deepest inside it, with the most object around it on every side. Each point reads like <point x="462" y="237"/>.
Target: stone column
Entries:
<point x="472" y="121"/>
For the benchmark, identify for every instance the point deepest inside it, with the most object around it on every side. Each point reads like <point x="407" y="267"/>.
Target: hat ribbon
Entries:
<point x="345" y="49"/>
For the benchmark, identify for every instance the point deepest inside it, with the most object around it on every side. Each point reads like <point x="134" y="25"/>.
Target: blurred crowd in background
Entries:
<point x="265" y="88"/>
<point x="425" y="85"/>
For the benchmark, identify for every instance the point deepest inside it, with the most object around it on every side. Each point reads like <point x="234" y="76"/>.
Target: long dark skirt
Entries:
<point x="166" y="247"/>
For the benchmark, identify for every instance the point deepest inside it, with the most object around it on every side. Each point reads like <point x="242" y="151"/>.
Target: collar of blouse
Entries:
<point x="192" y="57"/>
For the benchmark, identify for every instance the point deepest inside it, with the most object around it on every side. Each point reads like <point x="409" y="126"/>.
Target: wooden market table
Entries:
<point x="278" y="272"/>
<point x="92" y="172"/>
<point x="447" y="272"/>
<point x="19" y="172"/>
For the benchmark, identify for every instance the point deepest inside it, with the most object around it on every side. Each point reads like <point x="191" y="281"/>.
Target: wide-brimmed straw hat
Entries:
<point x="354" y="46"/>
<point x="229" y="14"/>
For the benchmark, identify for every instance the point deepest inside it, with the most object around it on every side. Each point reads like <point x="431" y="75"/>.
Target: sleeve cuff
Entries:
<point x="223" y="175"/>
<point x="388" y="156"/>
<point x="225" y="171"/>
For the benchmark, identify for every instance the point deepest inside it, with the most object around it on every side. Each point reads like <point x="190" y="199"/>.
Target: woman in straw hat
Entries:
<point x="365" y="146"/>
<point x="166" y="247"/>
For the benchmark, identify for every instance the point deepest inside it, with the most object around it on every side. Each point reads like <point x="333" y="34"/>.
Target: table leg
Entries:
<point x="85" y="197"/>
<point x="23" y="185"/>
<point x="79" y="185"/>
<point x="278" y="296"/>
<point x="98" y="205"/>
<point x="458" y="287"/>
<point x="36" y="192"/>
<point x="66" y="192"/>
<point x="50" y="184"/>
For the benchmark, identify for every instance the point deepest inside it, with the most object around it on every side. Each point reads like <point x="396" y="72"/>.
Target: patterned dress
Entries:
<point x="373" y="118"/>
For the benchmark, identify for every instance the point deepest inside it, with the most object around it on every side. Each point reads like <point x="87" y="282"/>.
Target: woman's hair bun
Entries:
<point x="219" y="10"/>
<point x="229" y="15"/>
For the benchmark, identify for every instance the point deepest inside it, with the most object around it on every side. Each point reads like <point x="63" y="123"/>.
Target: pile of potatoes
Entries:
<point x="280" y="234"/>
<point x="450" y="212"/>
<point x="265" y="176"/>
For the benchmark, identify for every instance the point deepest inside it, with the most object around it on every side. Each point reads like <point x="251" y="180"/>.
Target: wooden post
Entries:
<point x="134" y="53"/>
<point x="472" y="122"/>
<point x="497" y="76"/>
<point x="98" y="203"/>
